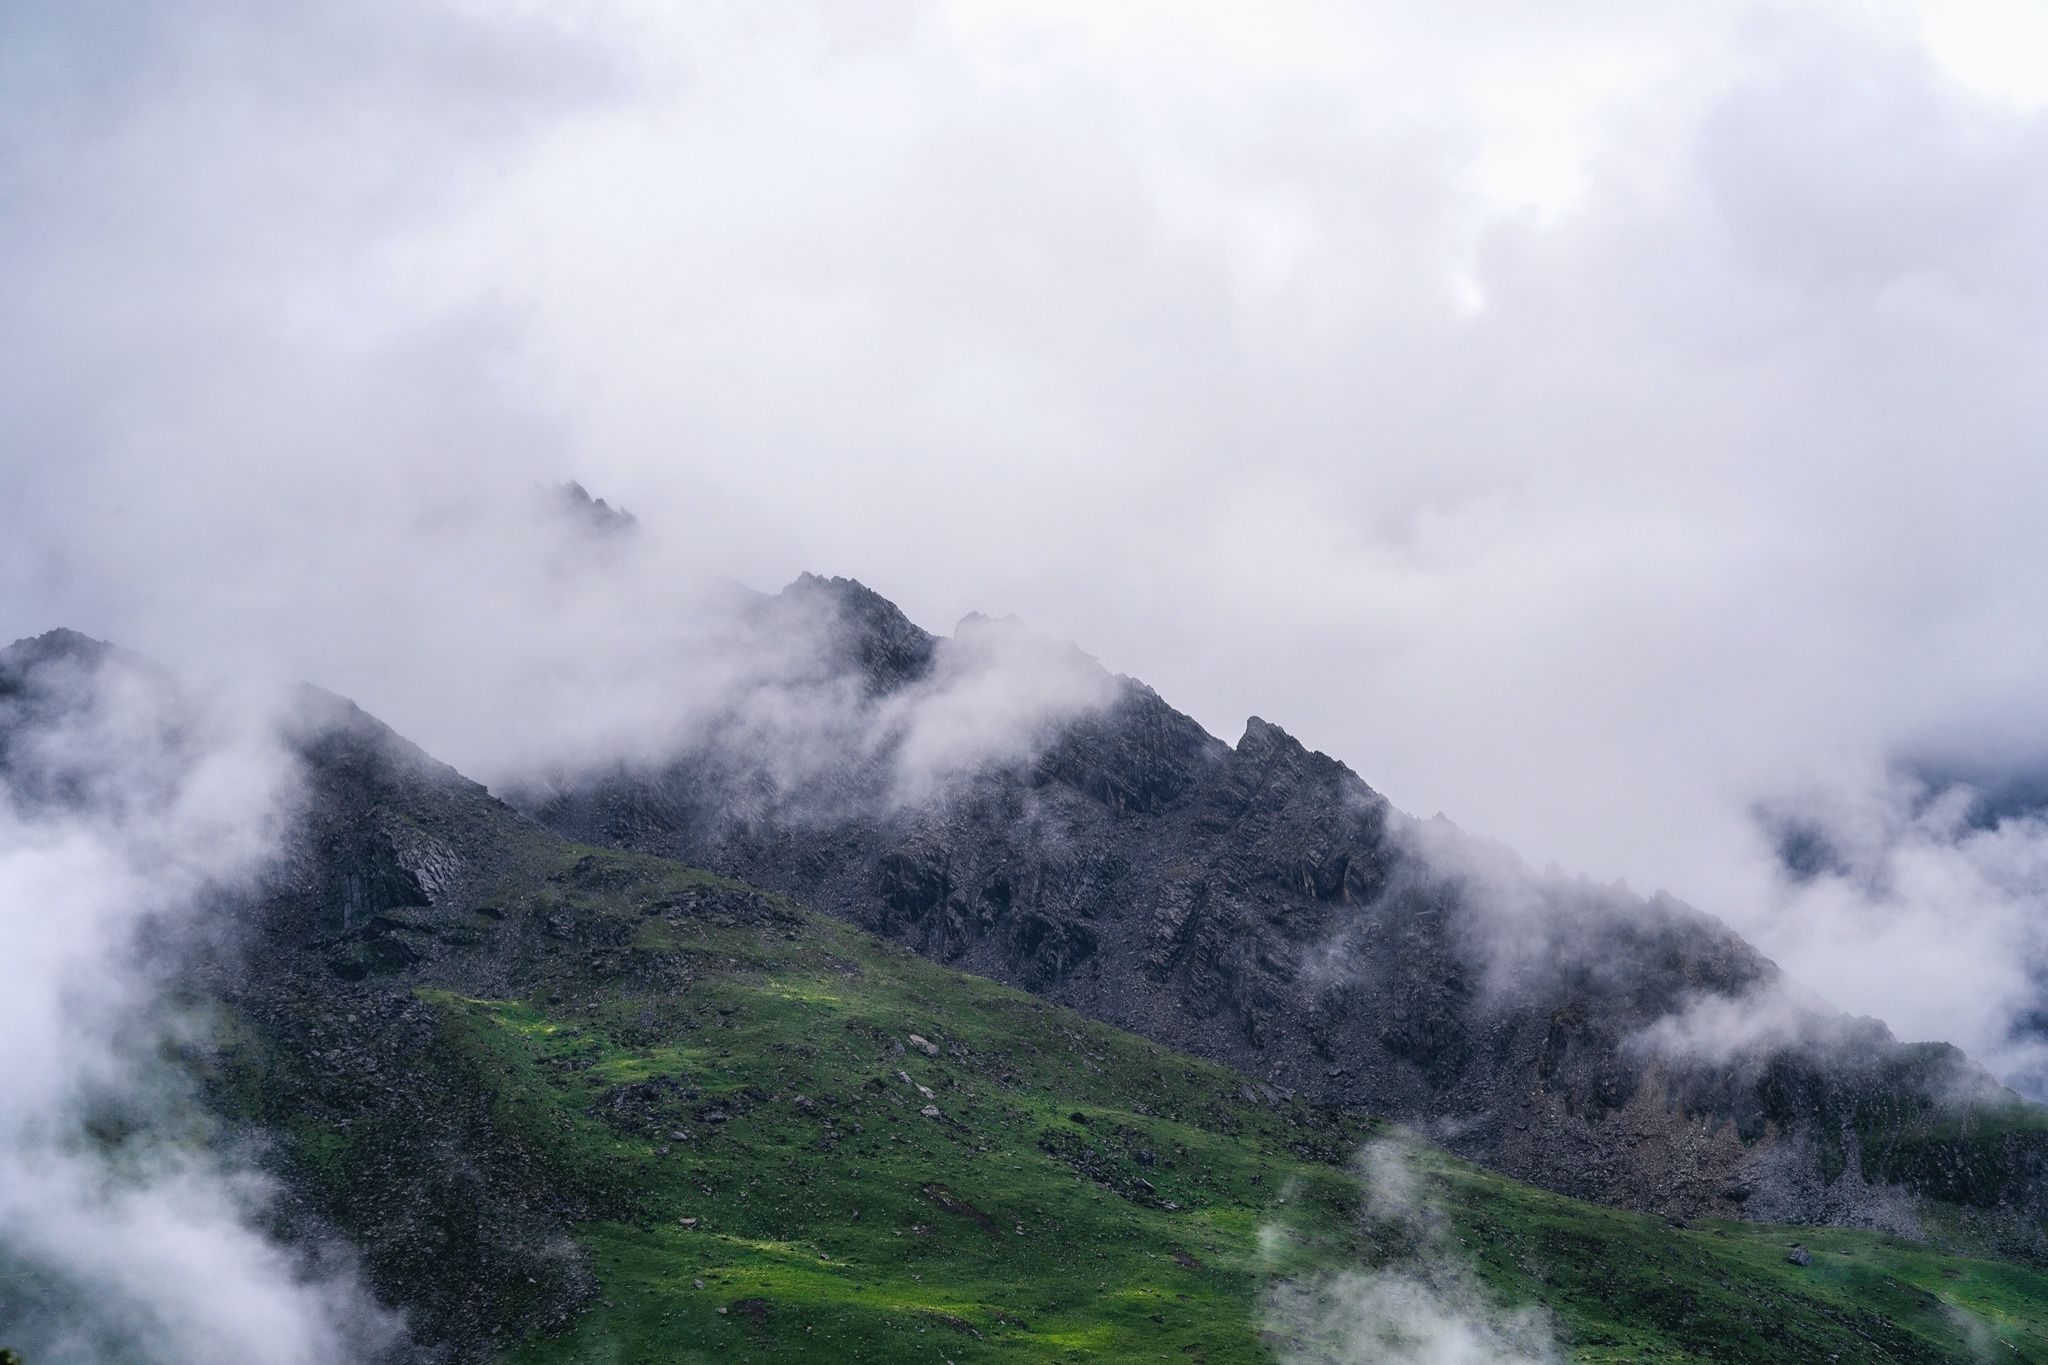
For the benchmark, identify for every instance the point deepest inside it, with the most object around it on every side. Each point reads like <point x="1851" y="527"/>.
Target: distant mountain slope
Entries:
<point x="1261" y="905"/>
<point x="569" y="1104"/>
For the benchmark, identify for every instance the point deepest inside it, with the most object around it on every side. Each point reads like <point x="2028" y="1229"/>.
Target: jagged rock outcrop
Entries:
<point x="594" y="515"/>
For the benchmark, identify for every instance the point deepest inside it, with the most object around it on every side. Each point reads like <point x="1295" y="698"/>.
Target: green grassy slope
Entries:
<point x="737" y="1098"/>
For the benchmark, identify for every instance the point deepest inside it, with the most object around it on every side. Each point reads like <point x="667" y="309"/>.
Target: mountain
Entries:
<point x="565" y="1103"/>
<point x="1260" y="905"/>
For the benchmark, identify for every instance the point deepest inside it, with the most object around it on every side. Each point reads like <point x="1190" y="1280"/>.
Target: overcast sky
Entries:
<point x="1590" y="420"/>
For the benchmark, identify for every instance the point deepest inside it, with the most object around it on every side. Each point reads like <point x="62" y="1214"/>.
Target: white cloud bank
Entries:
<point x="1590" y="421"/>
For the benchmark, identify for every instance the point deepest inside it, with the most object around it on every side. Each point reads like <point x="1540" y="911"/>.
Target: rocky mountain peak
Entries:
<point x="1260" y="733"/>
<point x="864" y="629"/>
<point x="593" y="514"/>
<point x="23" y="659"/>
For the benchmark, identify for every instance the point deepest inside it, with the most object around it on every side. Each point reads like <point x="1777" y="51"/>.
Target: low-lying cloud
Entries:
<point x="1714" y="1029"/>
<point x="130" y="1229"/>
<point x="998" y="694"/>
<point x="1908" y="891"/>
<point x="1426" y="1307"/>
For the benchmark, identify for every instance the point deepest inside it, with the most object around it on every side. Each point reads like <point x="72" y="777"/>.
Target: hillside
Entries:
<point x="858" y="1154"/>
<point x="773" y="1136"/>
<point x="568" y="1104"/>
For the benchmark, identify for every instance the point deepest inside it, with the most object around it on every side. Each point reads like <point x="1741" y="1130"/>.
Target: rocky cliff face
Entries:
<point x="1260" y="904"/>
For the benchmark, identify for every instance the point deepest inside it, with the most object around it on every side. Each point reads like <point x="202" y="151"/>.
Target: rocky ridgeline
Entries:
<point x="1261" y="905"/>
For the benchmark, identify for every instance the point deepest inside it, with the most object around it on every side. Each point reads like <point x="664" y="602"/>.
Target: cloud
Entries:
<point x="998" y="694"/>
<point x="1903" y="889"/>
<point x="128" y="1229"/>
<point x="1589" y="425"/>
<point x="1425" y="1308"/>
<point x="1714" y="1029"/>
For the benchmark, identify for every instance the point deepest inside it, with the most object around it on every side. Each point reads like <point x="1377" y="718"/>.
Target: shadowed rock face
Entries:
<point x="1260" y="904"/>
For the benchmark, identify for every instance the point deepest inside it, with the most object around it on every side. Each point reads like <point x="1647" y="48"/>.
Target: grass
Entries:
<point x="738" y="1095"/>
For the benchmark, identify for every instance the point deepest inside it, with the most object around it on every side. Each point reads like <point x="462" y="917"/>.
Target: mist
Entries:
<point x="132" y="1227"/>
<point x="1595" y="460"/>
<point x="1948" y="894"/>
<point x="1423" y="1306"/>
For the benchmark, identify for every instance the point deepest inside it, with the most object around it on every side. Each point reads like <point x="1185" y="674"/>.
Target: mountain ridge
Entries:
<point x="1261" y="904"/>
<point x="535" y="1086"/>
